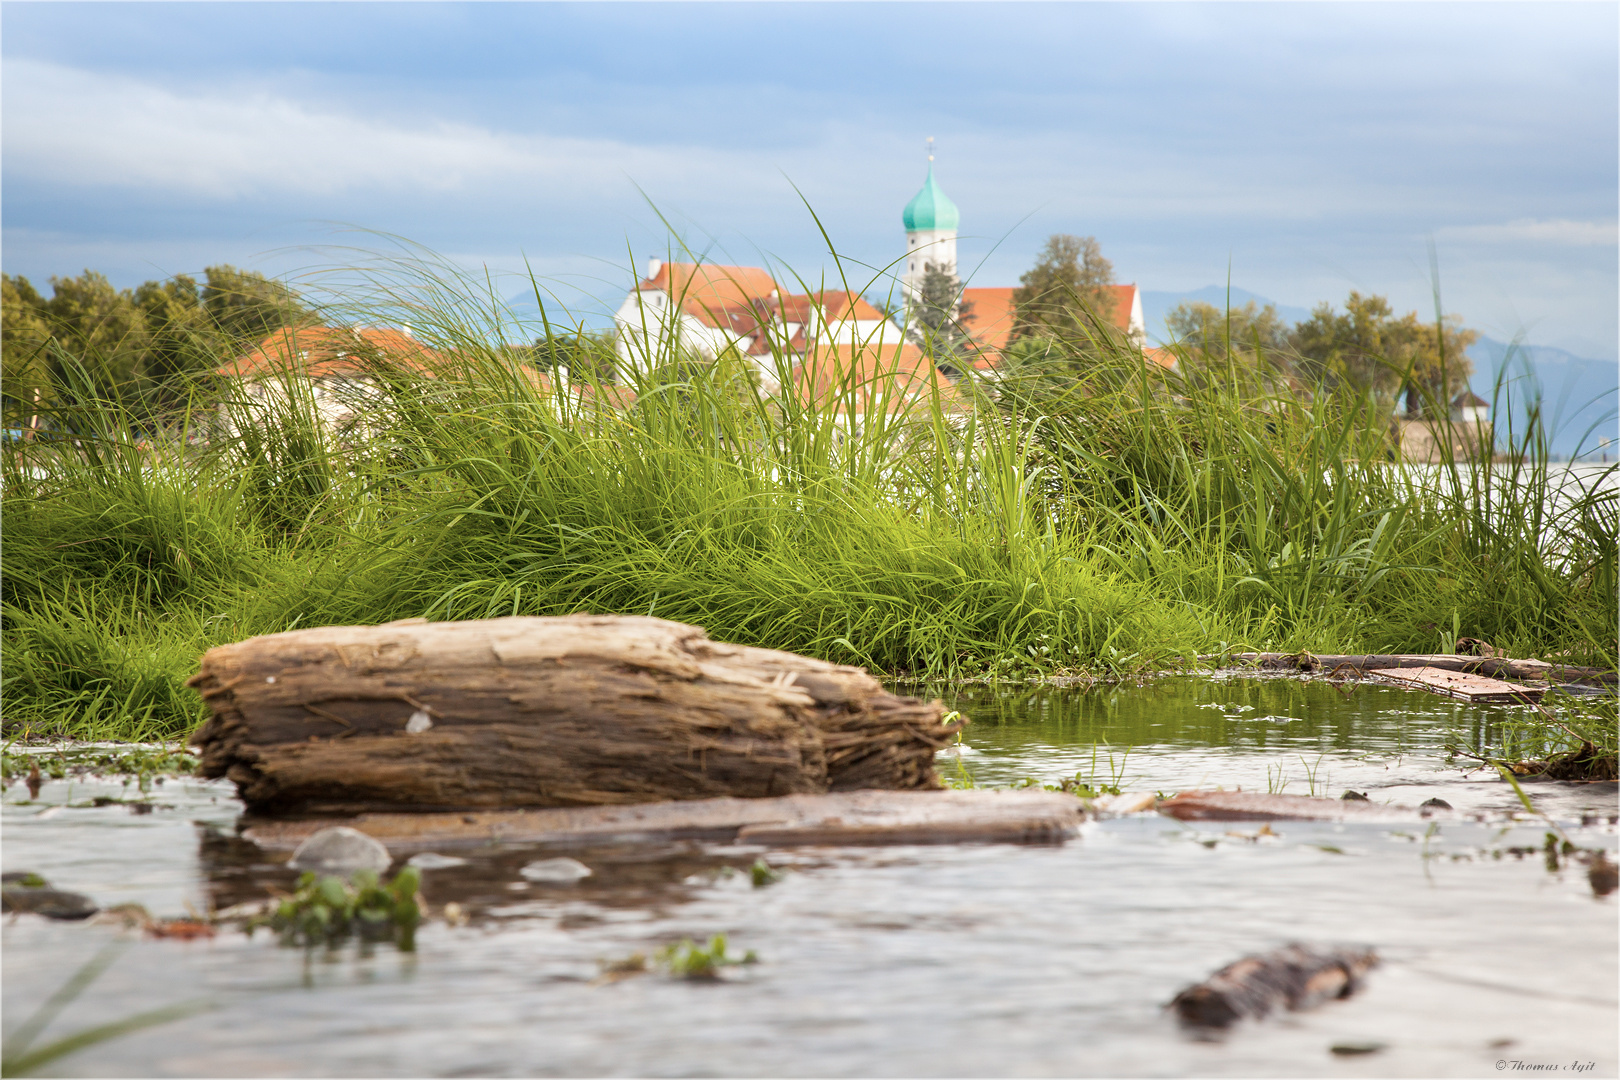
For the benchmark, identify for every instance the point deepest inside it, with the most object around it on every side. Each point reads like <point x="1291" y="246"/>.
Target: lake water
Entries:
<point x="950" y="961"/>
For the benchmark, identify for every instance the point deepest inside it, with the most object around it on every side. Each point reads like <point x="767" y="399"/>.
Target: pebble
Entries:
<point x="432" y="860"/>
<point x="24" y="891"/>
<point x="1353" y="1049"/>
<point x="340" y="850"/>
<point x="563" y="871"/>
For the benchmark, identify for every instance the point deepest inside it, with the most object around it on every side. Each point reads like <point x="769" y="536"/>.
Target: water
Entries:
<point x="951" y="961"/>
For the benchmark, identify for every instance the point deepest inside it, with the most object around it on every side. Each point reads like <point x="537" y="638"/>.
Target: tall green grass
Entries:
<point x="1125" y="524"/>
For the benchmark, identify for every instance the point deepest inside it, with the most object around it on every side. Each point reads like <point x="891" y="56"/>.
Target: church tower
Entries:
<point x="931" y="219"/>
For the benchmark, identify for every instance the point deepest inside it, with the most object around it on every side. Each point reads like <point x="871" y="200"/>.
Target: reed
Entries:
<point x="1125" y="524"/>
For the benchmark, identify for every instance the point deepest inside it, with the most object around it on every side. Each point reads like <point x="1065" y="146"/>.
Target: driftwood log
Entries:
<point x="541" y="712"/>
<point x="1263" y="806"/>
<point x="1496" y="667"/>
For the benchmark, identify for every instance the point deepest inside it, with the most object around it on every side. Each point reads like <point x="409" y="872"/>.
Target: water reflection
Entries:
<point x="1279" y="733"/>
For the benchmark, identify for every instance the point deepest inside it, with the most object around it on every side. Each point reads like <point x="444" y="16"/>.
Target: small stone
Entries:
<point x="1354" y="796"/>
<point x="432" y="860"/>
<point x="1352" y="1049"/>
<point x="24" y="878"/>
<point x="51" y="903"/>
<point x="562" y="871"/>
<point x="1435" y="804"/>
<point x="340" y="850"/>
<point x="1603" y="875"/>
<point x="419" y="722"/>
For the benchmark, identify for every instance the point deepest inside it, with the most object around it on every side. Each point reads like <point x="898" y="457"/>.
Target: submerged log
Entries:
<point x="841" y="818"/>
<point x="1295" y="977"/>
<point x="529" y="711"/>
<point x="1262" y="806"/>
<point x="1496" y="667"/>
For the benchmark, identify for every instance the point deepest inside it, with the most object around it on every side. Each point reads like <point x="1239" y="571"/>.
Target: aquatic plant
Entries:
<point x="762" y="873"/>
<point x="685" y="959"/>
<point x="138" y="764"/>
<point x="327" y="910"/>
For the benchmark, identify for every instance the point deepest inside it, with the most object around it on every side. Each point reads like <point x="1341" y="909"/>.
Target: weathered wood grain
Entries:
<point x="1461" y="684"/>
<point x="529" y="711"/>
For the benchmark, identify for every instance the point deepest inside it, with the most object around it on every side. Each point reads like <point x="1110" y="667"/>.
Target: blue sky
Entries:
<point x="1311" y="148"/>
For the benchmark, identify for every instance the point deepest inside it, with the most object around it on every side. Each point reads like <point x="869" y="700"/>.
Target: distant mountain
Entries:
<point x="1578" y="395"/>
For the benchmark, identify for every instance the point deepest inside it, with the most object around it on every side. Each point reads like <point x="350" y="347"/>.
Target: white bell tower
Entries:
<point x="931" y="220"/>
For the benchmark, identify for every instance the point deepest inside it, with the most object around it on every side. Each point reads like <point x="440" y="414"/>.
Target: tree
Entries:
<point x="102" y="337"/>
<point x="244" y="305"/>
<point x="936" y="322"/>
<point x="148" y="348"/>
<point x="184" y="345"/>
<point x="1368" y="350"/>
<point x="1066" y="293"/>
<point x="1435" y="361"/>
<point x="25" y="337"/>
<point x="586" y="356"/>
<point x="1247" y="341"/>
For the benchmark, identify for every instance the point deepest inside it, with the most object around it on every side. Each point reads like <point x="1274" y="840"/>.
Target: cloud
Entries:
<point x="68" y="126"/>
<point x="1559" y="231"/>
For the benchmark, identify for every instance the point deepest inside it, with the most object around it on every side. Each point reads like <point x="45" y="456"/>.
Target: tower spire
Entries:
<point x="930" y="149"/>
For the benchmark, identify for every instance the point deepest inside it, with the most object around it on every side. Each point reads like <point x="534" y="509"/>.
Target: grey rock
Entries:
<point x="24" y="878"/>
<point x="340" y="850"/>
<point x="51" y="903"/>
<point x="562" y="871"/>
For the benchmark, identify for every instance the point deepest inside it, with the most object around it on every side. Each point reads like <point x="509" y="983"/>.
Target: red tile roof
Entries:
<point x="864" y="376"/>
<point x="1124" y="299"/>
<point x="989" y="322"/>
<point x="837" y="305"/>
<point x="323" y="351"/>
<point x="716" y="295"/>
<point x="1165" y="358"/>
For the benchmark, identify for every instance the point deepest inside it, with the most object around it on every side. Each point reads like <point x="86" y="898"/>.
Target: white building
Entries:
<point x="707" y="309"/>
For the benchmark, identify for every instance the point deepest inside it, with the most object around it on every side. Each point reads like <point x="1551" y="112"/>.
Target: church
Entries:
<point x="710" y="308"/>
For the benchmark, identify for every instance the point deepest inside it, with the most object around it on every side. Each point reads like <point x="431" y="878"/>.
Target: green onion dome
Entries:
<point x="930" y="208"/>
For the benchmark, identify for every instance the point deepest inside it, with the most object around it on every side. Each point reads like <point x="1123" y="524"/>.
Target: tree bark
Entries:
<point x="532" y="712"/>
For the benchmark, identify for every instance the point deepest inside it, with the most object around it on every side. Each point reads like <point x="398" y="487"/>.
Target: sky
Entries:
<point x="1298" y="151"/>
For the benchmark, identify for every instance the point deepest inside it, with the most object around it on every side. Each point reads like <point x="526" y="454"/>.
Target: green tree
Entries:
<point x="101" y="335"/>
<point x="588" y="357"/>
<point x="244" y="305"/>
<point x="1434" y="361"/>
<point x="1368" y="350"/>
<point x="1066" y="293"/>
<point x="184" y="345"/>
<point x="936" y="322"/>
<point x="1248" y="342"/>
<point x="148" y="348"/>
<point x="25" y="337"/>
